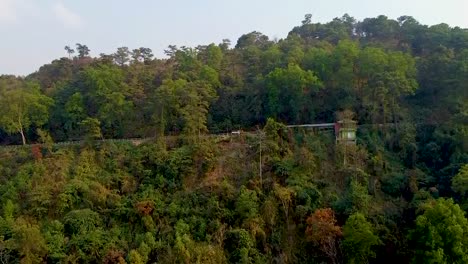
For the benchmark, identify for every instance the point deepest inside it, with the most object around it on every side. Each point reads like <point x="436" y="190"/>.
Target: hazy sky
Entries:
<point x="34" y="32"/>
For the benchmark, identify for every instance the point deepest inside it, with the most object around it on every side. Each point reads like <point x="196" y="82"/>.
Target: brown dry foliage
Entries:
<point x="145" y="207"/>
<point x="321" y="225"/>
<point x="323" y="231"/>
<point x="114" y="257"/>
<point x="36" y="152"/>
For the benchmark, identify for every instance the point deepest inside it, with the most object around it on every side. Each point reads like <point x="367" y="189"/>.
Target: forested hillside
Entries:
<point x="271" y="195"/>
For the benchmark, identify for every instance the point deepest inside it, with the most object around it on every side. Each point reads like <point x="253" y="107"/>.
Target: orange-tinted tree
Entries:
<point x="323" y="231"/>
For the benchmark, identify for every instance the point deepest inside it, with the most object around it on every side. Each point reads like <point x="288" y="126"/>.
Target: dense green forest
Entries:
<point x="270" y="195"/>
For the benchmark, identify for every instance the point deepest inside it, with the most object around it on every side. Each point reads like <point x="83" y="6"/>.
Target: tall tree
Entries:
<point x="108" y="96"/>
<point x="324" y="232"/>
<point x="307" y="19"/>
<point x="122" y="56"/>
<point x="23" y="105"/>
<point x="289" y="92"/>
<point x="83" y="50"/>
<point x="70" y="51"/>
<point x="164" y="106"/>
<point x="195" y="99"/>
<point x="75" y="113"/>
<point x="142" y="54"/>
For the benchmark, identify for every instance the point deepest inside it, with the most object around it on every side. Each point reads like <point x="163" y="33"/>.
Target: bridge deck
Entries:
<point x="323" y="125"/>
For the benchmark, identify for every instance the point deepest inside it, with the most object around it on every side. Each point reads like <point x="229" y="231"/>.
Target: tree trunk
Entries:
<point x="22" y="136"/>
<point x="20" y="128"/>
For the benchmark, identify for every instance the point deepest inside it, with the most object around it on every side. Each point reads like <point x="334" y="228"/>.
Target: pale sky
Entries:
<point x="34" y="32"/>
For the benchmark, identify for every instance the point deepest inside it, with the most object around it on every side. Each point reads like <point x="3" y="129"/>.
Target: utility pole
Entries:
<point x="261" y="136"/>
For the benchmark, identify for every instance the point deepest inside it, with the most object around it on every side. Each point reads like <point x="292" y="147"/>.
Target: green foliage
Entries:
<point x="359" y="239"/>
<point x="184" y="101"/>
<point x="241" y="246"/>
<point x="56" y="241"/>
<point x="45" y="138"/>
<point x="287" y="91"/>
<point x="108" y="93"/>
<point x="28" y="241"/>
<point x="91" y="128"/>
<point x="440" y="234"/>
<point x="247" y="203"/>
<point x="460" y="181"/>
<point x="394" y="184"/>
<point x="135" y="258"/>
<point x="356" y="198"/>
<point x="23" y="105"/>
<point x="81" y="221"/>
<point x="75" y="112"/>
